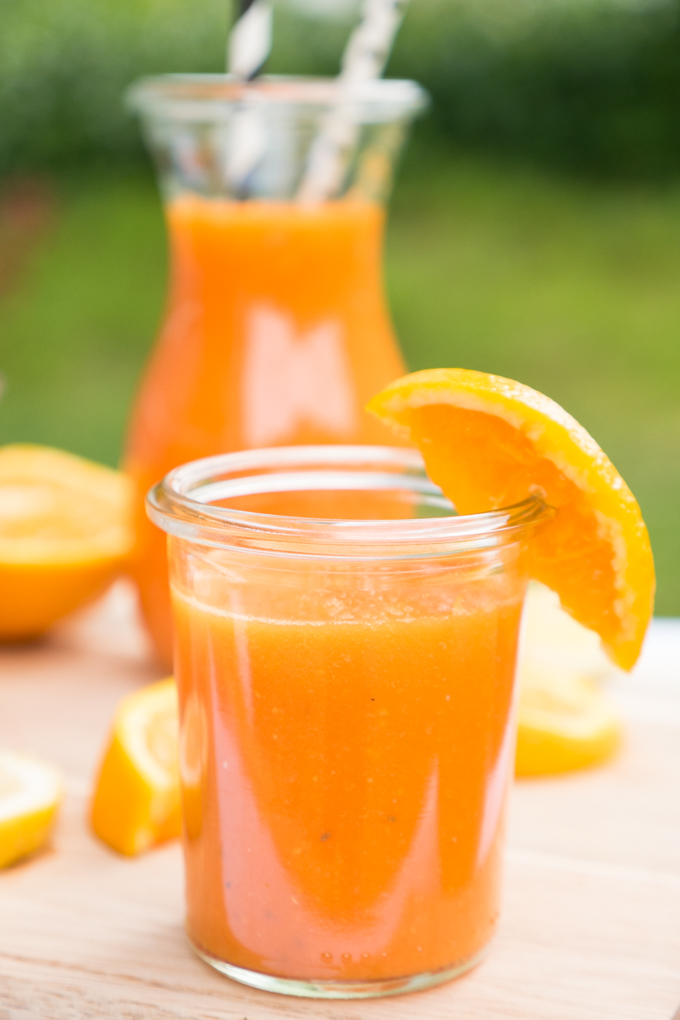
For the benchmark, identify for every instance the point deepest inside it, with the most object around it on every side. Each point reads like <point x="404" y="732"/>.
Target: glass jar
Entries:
<point x="276" y="329"/>
<point x="345" y="651"/>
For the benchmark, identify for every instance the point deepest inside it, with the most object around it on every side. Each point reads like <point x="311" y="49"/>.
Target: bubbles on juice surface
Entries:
<point x="304" y="594"/>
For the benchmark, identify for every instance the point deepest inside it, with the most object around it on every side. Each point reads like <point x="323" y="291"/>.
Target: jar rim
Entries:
<point x="201" y="97"/>
<point x="182" y="505"/>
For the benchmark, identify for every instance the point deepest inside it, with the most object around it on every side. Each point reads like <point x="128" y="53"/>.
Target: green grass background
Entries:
<point x="572" y="287"/>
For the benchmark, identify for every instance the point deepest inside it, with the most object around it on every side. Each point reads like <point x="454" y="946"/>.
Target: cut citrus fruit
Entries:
<point x="136" y="803"/>
<point x="489" y="442"/>
<point x="30" y="792"/>
<point x="64" y="535"/>
<point x="565" y="722"/>
<point x="551" y="637"/>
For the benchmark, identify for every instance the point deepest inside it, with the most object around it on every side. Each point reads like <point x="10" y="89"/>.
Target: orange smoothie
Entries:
<point x="345" y="759"/>
<point x="276" y="332"/>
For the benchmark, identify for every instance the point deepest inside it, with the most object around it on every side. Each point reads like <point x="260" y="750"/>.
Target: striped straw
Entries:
<point x="371" y="42"/>
<point x="249" y="45"/>
<point x="364" y="59"/>
<point x="250" y="39"/>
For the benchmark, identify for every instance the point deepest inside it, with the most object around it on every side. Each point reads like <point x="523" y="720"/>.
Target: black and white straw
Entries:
<point x="364" y="59"/>
<point x="250" y="39"/>
<point x="370" y="44"/>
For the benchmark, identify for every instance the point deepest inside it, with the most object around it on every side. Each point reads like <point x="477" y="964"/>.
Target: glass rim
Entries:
<point x="201" y="97"/>
<point x="182" y="504"/>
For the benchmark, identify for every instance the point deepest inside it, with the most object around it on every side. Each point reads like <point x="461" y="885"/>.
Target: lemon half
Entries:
<point x="30" y="792"/>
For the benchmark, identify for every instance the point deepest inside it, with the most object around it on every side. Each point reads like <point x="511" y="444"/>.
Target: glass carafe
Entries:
<point x="276" y="329"/>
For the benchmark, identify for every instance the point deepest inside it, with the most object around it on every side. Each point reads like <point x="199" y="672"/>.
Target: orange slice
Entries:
<point x="30" y="792"/>
<point x="136" y="804"/>
<point x="489" y="442"/>
<point x="565" y="722"/>
<point x="65" y="533"/>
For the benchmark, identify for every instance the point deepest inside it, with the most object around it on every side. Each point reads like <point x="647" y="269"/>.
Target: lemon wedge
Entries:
<point x="554" y="638"/>
<point x="565" y="722"/>
<point x="30" y="792"/>
<point x="136" y="804"/>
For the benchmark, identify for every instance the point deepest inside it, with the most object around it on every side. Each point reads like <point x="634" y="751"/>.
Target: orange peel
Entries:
<point x="136" y="804"/>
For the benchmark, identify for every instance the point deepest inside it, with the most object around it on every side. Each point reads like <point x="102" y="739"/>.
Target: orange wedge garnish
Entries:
<point x="489" y="442"/>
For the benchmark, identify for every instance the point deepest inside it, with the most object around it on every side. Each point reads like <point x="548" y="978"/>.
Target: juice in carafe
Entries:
<point x="276" y="330"/>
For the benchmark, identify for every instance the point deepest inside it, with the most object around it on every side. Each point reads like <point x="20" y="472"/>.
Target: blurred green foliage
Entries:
<point x="588" y="85"/>
<point x="76" y="327"/>
<point x="64" y="66"/>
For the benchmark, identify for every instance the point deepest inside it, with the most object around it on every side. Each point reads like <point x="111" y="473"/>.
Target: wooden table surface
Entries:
<point x="591" y="922"/>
